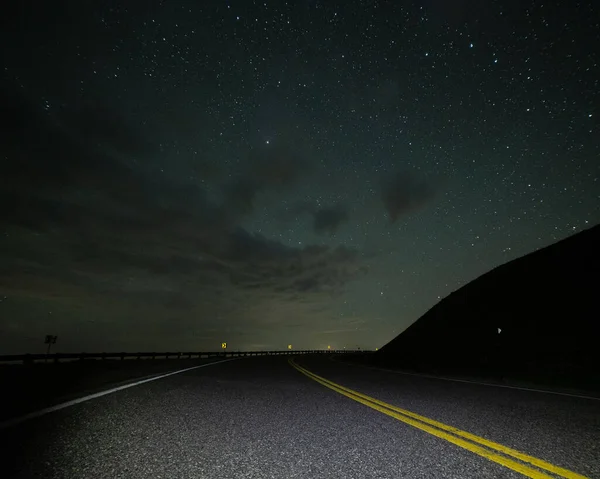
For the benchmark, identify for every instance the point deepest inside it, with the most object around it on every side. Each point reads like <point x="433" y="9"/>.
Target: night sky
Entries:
<point x="177" y="174"/>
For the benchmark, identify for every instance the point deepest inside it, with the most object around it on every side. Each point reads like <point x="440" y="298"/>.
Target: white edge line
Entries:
<point x="58" y="407"/>
<point x="546" y="391"/>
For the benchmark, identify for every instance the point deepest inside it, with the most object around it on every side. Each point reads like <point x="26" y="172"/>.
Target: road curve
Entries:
<point x="265" y="418"/>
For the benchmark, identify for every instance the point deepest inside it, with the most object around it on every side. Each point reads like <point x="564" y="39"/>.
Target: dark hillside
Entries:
<point x="545" y="305"/>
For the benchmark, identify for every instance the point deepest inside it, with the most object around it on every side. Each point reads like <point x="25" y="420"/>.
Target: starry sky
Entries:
<point x="177" y="174"/>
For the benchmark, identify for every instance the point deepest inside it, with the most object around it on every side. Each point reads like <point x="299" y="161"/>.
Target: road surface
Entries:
<point x="318" y="418"/>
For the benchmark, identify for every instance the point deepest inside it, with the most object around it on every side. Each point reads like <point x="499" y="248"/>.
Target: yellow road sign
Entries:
<point x="328" y="347"/>
<point x="289" y="346"/>
<point x="223" y="345"/>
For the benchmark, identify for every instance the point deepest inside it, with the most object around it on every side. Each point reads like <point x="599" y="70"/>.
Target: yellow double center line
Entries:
<point x="490" y="450"/>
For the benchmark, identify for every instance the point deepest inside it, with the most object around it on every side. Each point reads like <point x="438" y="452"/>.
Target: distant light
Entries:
<point x="376" y="349"/>
<point x="471" y="45"/>
<point x="267" y="142"/>
<point x="328" y="347"/>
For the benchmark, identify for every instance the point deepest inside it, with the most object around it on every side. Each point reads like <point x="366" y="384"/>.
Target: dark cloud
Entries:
<point x="326" y="220"/>
<point x="16" y="114"/>
<point x="405" y="193"/>
<point x="204" y="168"/>
<point x="276" y="166"/>
<point x="44" y="161"/>
<point x="83" y="222"/>
<point x="268" y="168"/>
<point x="257" y="261"/>
<point x="240" y="196"/>
<point x="101" y="125"/>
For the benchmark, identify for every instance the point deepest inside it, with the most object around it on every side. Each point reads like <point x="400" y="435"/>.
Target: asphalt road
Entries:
<point x="263" y="418"/>
<point x="36" y="386"/>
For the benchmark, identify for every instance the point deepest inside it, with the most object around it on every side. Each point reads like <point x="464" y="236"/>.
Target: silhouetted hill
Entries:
<point x="546" y="305"/>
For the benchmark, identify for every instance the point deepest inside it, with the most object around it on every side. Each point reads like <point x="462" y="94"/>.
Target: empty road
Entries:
<point x="314" y="417"/>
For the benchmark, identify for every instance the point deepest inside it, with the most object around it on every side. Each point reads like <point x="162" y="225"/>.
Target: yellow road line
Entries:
<point x="493" y="445"/>
<point x="450" y="433"/>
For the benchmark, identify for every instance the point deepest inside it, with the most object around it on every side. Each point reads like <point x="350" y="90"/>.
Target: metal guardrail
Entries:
<point x="58" y="357"/>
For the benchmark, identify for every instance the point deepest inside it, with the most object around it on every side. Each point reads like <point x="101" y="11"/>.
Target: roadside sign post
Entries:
<point x="49" y="340"/>
<point x="223" y="346"/>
